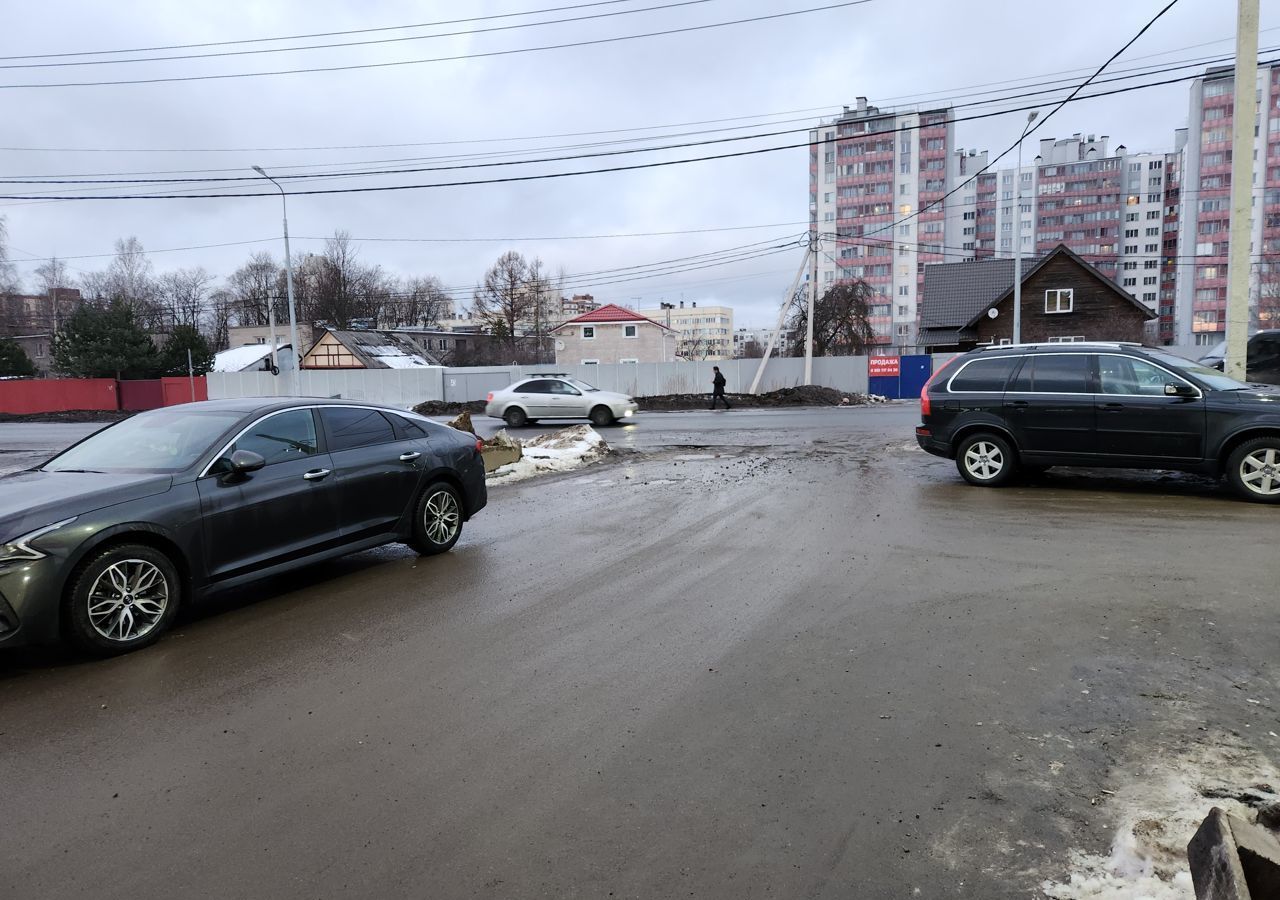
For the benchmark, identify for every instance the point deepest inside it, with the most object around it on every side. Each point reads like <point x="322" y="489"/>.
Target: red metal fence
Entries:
<point x="61" y="394"/>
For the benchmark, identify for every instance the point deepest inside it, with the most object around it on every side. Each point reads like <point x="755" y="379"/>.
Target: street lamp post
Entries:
<point x="288" y="280"/>
<point x="1017" y="240"/>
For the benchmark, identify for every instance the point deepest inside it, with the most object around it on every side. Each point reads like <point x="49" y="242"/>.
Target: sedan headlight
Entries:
<point x="20" y="550"/>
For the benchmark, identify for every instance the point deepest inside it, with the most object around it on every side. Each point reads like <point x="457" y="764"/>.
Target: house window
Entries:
<point x="1060" y="300"/>
<point x="628" y="331"/>
<point x="591" y="362"/>
<point x="588" y="332"/>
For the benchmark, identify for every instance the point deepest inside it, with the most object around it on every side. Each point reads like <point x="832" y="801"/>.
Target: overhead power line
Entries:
<point x="593" y="42"/>
<point x="319" y="34"/>
<point x="416" y="37"/>
<point x="1075" y="97"/>
<point x="320" y="176"/>
<point x="1069" y="98"/>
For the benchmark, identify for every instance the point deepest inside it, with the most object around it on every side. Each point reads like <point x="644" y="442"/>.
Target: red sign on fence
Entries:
<point x="884" y="366"/>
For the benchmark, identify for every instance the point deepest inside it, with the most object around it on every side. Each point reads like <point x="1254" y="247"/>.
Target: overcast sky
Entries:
<point x="886" y="50"/>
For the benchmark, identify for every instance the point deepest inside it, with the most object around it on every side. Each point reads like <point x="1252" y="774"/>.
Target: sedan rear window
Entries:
<point x="985" y="375"/>
<point x="348" y="427"/>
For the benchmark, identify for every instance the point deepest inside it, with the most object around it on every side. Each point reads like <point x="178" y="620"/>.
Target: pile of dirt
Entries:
<point x="807" y="395"/>
<point x="441" y="408"/>
<point x="69" y="415"/>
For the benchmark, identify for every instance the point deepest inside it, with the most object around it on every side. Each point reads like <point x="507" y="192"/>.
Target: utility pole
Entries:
<point x="813" y="294"/>
<point x="776" y="335"/>
<point x="1245" y="114"/>
<point x="1017" y="239"/>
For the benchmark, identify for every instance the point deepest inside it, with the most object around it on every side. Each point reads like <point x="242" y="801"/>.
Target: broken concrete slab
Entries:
<point x="1232" y="859"/>
<point x="500" y="450"/>
<point x="463" y="423"/>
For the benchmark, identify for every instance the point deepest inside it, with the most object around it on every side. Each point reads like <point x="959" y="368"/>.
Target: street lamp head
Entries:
<point x="258" y="169"/>
<point x="1031" y="117"/>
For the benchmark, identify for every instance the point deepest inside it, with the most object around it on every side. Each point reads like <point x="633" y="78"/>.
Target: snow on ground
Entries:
<point x="1159" y="807"/>
<point x="558" y="451"/>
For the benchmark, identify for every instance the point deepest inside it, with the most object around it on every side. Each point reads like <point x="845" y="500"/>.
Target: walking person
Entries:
<point x="717" y="389"/>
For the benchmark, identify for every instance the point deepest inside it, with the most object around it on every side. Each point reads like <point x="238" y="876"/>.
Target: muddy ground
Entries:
<point x="759" y="663"/>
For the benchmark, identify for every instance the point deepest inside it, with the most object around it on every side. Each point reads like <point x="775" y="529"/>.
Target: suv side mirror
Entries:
<point x="1179" y="389"/>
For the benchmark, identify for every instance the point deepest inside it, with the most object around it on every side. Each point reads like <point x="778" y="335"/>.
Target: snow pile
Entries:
<point x="558" y="451"/>
<point x="1159" y="810"/>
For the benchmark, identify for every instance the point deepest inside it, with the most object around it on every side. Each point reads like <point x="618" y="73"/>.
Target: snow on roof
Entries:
<point x="238" y="359"/>
<point x="401" y="361"/>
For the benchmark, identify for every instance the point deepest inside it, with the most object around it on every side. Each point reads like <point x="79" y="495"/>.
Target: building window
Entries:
<point x="1130" y="248"/>
<point x="1069" y="339"/>
<point x="1131" y="232"/>
<point x="1153" y="232"/>
<point x="634" y="362"/>
<point x="628" y="331"/>
<point x="1149" y="280"/>
<point x="588" y="332"/>
<point x="591" y="362"/>
<point x="1149" y="298"/>
<point x="1059" y="301"/>
<point x="1152" y="248"/>
<point x="1130" y="265"/>
<point x="904" y="290"/>
<point x="903" y="311"/>
<point x="1130" y="282"/>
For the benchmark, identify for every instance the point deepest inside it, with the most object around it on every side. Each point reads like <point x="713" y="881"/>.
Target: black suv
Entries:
<point x="1032" y="406"/>
<point x="1262" y="360"/>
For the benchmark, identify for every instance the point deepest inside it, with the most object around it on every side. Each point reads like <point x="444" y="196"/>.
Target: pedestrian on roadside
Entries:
<point x="717" y="389"/>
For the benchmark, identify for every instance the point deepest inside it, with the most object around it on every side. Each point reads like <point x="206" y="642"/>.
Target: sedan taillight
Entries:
<point x="489" y="399"/>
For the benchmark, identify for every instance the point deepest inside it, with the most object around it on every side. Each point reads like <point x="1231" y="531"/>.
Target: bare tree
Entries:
<point x="694" y="347"/>
<point x="346" y="290"/>
<point x="502" y="300"/>
<point x="9" y="283"/>
<point x="254" y="288"/>
<point x="544" y="295"/>
<point x="223" y="306"/>
<point x="841" y="321"/>
<point x="127" y="281"/>
<point x="418" y="302"/>
<point x="184" y="295"/>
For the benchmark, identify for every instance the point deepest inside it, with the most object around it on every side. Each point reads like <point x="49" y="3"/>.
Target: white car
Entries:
<point x="557" y="396"/>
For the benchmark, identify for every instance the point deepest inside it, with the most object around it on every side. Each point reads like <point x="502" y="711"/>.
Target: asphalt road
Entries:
<point x="777" y="654"/>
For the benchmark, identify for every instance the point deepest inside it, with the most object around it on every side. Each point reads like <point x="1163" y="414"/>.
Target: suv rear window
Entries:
<point x="985" y="375"/>
<point x="1055" y="373"/>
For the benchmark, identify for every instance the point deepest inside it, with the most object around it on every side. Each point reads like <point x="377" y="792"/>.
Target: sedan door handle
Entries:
<point x="316" y="474"/>
<point x="1113" y="406"/>
<point x="410" y="456"/>
<point x="1019" y="404"/>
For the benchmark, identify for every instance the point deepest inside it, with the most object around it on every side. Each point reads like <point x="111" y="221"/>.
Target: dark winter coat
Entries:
<point x="718" y="383"/>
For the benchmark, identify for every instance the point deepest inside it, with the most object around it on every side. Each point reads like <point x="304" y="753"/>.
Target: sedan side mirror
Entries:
<point x="245" y="461"/>
<point x="1179" y="389"/>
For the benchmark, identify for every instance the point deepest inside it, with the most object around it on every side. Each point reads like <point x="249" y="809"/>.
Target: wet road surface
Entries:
<point x="790" y="656"/>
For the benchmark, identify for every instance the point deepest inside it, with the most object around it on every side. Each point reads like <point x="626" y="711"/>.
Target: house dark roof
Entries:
<point x="385" y="350"/>
<point x="610" y="314"/>
<point x="957" y="295"/>
<point x="956" y="292"/>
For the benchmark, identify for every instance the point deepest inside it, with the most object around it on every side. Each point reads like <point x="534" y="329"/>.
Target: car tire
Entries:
<point x="121" y="599"/>
<point x="515" y="417"/>
<point x="986" y="459"/>
<point x="602" y="416"/>
<point x="437" y="519"/>
<point x="1253" y="469"/>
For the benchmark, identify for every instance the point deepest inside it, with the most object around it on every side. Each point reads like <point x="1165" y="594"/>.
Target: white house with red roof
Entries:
<point x="613" y="334"/>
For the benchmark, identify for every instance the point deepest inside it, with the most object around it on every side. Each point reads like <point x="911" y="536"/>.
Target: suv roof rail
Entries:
<point x="1059" y="344"/>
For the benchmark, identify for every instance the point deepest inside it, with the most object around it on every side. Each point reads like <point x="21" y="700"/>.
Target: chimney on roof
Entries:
<point x="682" y="304"/>
<point x="695" y="304"/>
<point x="862" y="104"/>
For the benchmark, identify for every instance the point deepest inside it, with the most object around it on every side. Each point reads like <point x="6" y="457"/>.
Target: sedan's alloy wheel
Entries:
<point x="441" y="517"/>
<point x="128" y="600"/>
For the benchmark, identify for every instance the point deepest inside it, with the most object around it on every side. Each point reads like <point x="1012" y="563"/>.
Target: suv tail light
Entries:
<point x="925" y="407"/>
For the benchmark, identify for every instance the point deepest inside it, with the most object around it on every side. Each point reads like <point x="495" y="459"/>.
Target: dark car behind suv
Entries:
<point x="1031" y="406"/>
<point x="1262" y="359"/>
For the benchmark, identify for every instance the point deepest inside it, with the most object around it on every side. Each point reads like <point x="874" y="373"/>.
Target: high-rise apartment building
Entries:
<point x="869" y="170"/>
<point x="1205" y="206"/>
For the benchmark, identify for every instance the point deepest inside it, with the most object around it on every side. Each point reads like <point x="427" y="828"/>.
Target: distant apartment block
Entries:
<point x="703" y="332"/>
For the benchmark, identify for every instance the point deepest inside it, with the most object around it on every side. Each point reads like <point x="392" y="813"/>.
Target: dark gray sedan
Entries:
<point x="104" y="543"/>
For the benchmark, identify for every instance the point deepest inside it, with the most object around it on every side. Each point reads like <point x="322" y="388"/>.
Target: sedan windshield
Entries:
<point x="581" y="385"/>
<point x="1210" y="377"/>
<point x="162" y="441"/>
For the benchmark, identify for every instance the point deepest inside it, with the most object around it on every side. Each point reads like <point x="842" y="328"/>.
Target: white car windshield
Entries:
<point x="581" y="385"/>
